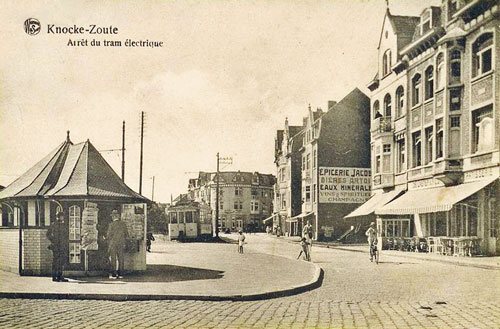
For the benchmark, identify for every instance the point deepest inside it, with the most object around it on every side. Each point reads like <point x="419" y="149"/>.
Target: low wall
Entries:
<point x="37" y="258"/>
<point x="9" y="249"/>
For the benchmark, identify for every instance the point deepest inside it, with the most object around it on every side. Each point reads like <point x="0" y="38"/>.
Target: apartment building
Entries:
<point x="287" y="194"/>
<point x="435" y="125"/>
<point x="335" y="166"/>
<point x="245" y="198"/>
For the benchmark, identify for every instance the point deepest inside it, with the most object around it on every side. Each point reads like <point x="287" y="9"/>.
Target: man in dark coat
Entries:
<point x="116" y="236"/>
<point x="59" y="244"/>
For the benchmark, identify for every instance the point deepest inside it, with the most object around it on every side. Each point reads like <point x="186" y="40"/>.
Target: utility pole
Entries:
<point x="217" y="199"/>
<point x="123" y="151"/>
<point x="227" y="160"/>
<point x="142" y="144"/>
<point x="153" y="190"/>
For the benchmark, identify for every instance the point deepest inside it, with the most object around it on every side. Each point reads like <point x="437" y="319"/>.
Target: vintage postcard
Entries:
<point x="250" y="164"/>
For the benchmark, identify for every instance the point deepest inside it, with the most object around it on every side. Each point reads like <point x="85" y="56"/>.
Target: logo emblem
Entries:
<point x="32" y="26"/>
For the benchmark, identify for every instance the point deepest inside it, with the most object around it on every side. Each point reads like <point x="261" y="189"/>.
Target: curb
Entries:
<point x="444" y="260"/>
<point x="409" y="255"/>
<point x="316" y="282"/>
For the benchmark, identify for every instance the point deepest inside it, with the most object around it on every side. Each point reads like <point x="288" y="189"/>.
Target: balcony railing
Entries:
<point x="382" y="125"/>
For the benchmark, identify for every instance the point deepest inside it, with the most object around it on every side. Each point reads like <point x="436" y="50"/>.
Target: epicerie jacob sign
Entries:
<point x="344" y="185"/>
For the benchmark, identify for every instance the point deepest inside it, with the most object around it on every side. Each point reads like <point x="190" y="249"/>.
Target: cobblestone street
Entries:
<point x="18" y="313"/>
<point x="397" y="293"/>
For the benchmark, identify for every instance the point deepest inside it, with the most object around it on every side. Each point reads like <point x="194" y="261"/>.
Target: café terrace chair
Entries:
<point x="439" y="245"/>
<point x="431" y="243"/>
<point x="460" y="247"/>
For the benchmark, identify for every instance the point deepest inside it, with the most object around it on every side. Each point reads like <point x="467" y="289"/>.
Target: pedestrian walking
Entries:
<point x="371" y="235"/>
<point x="307" y="232"/>
<point x="305" y="250"/>
<point x="59" y="244"/>
<point x="116" y="236"/>
<point x="149" y="238"/>
<point x="241" y="241"/>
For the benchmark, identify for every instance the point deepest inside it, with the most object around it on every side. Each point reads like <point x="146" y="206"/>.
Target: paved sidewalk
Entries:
<point x="204" y="271"/>
<point x="486" y="262"/>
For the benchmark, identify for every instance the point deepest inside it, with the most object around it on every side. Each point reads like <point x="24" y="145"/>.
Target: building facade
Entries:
<point x="335" y="166"/>
<point x="287" y="194"/>
<point x="323" y="170"/>
<point x="435" y="125"/>
<point x="245" y="198"/>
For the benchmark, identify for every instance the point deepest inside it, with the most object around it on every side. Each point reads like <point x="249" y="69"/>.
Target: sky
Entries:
<point x="227" y="76"/>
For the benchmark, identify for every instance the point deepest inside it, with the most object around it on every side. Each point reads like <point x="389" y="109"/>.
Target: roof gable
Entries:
<point x="33" y="180"/>
<point x="71" y="170"/>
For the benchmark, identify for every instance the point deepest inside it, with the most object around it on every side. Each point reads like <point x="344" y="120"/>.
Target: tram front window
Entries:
<point x="189" y="217"/>
<point x="173" y="218"/>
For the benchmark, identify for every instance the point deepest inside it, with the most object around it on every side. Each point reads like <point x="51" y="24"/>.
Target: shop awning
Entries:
<point x="268" y="219"/>
<point x="433" y="199"/>
<point x="303" y="215"/>
<point x="377" y="200"/>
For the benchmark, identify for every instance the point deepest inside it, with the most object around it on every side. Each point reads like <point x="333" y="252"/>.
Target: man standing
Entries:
<point x="116" y="236"/>
<point x="59" y="244"/>
<point x="241" y="241"/>
<point x="371" y="233"/>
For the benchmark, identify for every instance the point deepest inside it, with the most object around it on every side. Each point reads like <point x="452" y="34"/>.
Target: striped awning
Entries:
<point x="303" y="215"/>
<point x="377" y="200"/>
<point x="433" y="199"/>
<point x="268" y="219"/>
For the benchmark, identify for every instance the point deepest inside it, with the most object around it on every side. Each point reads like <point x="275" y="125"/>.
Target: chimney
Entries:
<point x="331" y="104"/>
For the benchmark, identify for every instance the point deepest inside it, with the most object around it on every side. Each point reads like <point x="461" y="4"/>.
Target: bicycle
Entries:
<point x="374" y="252"/>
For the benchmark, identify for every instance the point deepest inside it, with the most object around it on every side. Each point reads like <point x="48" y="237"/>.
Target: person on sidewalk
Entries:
<point x="149" y="238"/>
<point x="307" y="232"/>
<point x="116" y="236"/>
<point x="371" y="234"/>
<point x="59" y="244"/>
<point x="305" y="250"/>
<point x="241" y="241"/>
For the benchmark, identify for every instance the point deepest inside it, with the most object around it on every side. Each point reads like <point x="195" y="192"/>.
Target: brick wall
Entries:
<point x="9" y="250"/>
<point x="37" y="258"/>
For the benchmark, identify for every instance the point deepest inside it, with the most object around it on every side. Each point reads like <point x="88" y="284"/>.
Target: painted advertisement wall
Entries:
<point x="344" y="185"/>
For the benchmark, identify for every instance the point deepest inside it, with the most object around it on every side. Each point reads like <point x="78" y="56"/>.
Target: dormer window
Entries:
<point x="386" y="63"/>
<point x="425" y="22"/>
